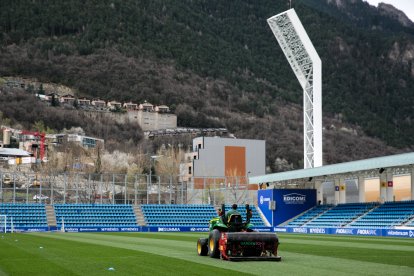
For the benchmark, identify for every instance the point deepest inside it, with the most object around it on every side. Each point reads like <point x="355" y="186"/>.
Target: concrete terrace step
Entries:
<point x="139" y="215"/>
<point x="50" y="216"/>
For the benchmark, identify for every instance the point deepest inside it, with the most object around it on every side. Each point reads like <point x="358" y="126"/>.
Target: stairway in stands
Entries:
<point x="139" y="215"/>
<point x="50" y="216"/>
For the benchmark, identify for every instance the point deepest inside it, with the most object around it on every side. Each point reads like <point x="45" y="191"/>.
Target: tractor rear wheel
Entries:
<point x="213" y="244"/>
<point x="202" y="247"/>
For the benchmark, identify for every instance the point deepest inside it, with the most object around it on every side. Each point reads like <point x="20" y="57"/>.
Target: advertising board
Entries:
<point x="288" y="203"/>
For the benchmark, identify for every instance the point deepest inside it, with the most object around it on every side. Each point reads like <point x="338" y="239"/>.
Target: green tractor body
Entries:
<point x="232" y="239"/>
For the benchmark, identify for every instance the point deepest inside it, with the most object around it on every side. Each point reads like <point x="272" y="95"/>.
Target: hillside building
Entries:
<point x="162" y="109"/>
<point x="98" y="103"/>
<point x="84" y="102"/>
<point x="67" y="99"/>
<point x="146" y="106"/>
<point x="114" y="105"/>
<point x="152" y="120"/>
<point x="219" y="168"/>
<point x="130" y="106"/>
<point x="81" y="140"/>
<point x="13" y="156"/>
<point x="224" y="160"/>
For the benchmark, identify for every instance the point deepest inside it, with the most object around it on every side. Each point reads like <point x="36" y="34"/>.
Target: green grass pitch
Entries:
<point x="175" y="254"/>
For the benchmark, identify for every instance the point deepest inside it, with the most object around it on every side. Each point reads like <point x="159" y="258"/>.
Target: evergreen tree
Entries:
<point x="55" y="100"/>
<point x="41" y="91"/>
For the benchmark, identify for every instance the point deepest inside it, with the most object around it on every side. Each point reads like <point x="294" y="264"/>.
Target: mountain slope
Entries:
<point x="216" y="63"/>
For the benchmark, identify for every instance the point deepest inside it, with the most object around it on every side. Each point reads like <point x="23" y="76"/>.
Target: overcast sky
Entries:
<point x="407" y="6"/>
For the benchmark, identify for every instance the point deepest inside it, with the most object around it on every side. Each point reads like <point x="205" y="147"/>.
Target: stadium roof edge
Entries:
<point x="340" y="168"/>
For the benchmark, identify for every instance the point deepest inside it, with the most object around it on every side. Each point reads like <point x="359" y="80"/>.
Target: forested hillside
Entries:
<point x="216" y="63"/>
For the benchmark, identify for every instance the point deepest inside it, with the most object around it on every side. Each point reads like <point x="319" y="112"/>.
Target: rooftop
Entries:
<point x="398" y="160"/>
<point x="13" y="152"/>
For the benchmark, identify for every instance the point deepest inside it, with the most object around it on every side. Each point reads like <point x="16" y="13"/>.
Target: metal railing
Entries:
<point x="19" y="187"/>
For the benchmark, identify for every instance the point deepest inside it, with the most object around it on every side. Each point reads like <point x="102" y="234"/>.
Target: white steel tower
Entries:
<point x="307" y="67"/>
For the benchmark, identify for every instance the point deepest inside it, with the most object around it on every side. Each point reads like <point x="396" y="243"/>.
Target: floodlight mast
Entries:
<point x="307" y="66"/>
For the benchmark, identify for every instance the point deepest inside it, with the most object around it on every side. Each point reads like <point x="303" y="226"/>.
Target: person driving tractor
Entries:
<point x="231" y="212"/>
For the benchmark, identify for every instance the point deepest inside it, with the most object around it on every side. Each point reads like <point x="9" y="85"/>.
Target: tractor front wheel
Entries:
<point x="213" y="244"/>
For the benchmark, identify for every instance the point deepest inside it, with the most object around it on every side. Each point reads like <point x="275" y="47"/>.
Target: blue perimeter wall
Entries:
<point x="401" y="233"/>
<point x="288" y="203"/>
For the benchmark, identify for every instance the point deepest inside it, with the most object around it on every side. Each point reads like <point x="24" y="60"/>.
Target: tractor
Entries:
<point x="234" y="240"/>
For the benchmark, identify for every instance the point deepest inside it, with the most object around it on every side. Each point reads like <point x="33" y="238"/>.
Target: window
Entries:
<point x="88" y="142"/>
<point x="189" y="170"/>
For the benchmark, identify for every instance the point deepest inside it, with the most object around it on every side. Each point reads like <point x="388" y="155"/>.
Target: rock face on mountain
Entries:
<point x="341" y="3"/>
<point x="361" y="13"/>
<point x="403" y="54"/>
<point x="392" y="12"/>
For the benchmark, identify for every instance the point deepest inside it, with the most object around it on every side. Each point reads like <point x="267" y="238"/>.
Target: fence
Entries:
<point x="18" y="187"/>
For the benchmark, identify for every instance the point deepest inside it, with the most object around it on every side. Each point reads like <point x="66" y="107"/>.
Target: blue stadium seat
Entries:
<point x="387" y="215"/>
<point x="358" y="215"/>
<point x="197" y="215"/>
<point x="24" y="215"/>
<point x="95" y="215"/>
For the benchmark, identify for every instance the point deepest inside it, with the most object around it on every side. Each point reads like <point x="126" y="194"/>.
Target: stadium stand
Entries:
<point x="358" y="215"/>
<point x="337" y="216"/>
<point x="24" y="215"/>
<point x="309" y="215"/>
<point x="351" y="215"/>
<point x="341" y="215"/>
<point x="178" y="214"/>
<point x="387" y="215"/>
<point x="94" y="215"/>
